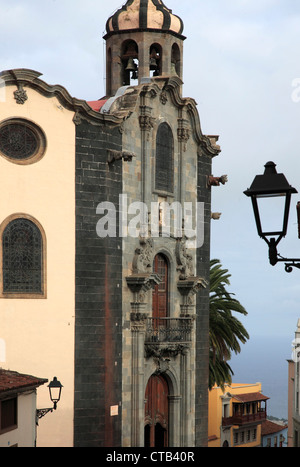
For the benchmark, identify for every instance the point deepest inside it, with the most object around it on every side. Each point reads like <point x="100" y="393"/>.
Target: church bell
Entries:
<point x="131" y="66"/>
<point x="153" y="64"/>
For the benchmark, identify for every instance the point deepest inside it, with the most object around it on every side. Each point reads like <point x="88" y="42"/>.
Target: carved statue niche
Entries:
<point x="185" y="264"/>
<point x="188" y="284"/>
<point x="143" y="258"/>
<point x="143" y="278"/>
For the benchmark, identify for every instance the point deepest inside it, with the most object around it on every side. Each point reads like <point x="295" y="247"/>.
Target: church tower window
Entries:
<point x="164" y="167"/>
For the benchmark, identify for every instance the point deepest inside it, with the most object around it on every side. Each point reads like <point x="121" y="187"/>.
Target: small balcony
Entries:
<point x="168" y="336"/>
<point x="162" y="330"/>
<point x="244" y="419"/>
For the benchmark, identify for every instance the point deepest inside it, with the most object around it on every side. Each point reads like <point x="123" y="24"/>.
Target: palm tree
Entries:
<point x="226" y="332"/>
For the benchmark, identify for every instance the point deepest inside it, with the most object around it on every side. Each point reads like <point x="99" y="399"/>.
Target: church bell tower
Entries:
<point x="143" y="39"/>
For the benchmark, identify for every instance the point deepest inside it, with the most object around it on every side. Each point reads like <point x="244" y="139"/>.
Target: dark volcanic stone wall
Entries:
<point x="98" y="301"/>
<point x="202" y="323"/>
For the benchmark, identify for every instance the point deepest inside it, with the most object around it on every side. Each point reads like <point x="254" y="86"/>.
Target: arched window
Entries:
<point x="160" y="298"/>
<point x="22" y="259"/>
<point x="164" y="167"/>
<point x="130" y="62"/>
<point x="108" y="72"/>
<point x="176" y="60"/>
<point x="155" y="60"/>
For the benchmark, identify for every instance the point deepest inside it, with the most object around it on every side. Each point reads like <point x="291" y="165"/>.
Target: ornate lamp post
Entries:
<point x="270" y="185"/>
<point x="55" y="388"/>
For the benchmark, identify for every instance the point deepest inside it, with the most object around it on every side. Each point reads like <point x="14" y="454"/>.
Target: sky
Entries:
<point x="242" y="66"/>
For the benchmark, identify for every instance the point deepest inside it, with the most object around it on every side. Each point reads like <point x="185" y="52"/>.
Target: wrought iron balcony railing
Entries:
<point x="168" y="330"/>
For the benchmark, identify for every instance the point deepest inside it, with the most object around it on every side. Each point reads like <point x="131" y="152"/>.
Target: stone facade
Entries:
<point x="115" y="276"/>
<point x="191" y="168"/>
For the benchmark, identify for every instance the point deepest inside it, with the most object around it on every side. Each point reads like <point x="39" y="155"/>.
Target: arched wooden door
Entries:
<point x="156" y="412"/>
<point x="160" y="307"/>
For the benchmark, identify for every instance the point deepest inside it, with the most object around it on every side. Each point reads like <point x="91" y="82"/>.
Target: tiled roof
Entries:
<point x="250" y="397"/>
<point x="97" y="105"/>
<point x="11" y="381"/>
<point x="268" y="427"/>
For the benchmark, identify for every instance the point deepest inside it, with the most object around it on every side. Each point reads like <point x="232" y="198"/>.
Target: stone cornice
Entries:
<point x="173" y="86"/>
<point x="25" y="78"/>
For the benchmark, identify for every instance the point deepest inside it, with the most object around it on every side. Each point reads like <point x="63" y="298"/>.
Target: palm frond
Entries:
<point x="226" y="332"/>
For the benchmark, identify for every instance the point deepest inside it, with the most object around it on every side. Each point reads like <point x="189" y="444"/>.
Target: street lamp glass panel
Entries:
<point x="271" y="213"/>
<point x="55" y="390"/>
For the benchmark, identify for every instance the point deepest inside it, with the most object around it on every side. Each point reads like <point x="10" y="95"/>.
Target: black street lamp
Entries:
<point x="55" y="388"/>
<point x="271" y="185"/>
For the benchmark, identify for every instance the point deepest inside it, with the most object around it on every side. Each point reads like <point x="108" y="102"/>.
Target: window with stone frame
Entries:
<point x="21" y="141"/>
<point x="22" y="258"/>
<point x="164" y="166"/>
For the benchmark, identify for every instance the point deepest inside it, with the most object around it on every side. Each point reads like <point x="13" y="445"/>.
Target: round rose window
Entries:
<point x="21" y="141"/>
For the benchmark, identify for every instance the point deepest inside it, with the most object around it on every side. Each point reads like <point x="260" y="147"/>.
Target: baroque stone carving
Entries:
<point x="146" y="122"/>
<point x="185" y="264"/>
<point x="160" y="353"/>
<point x="164" y="97"/>
<point x="143" y="258"/>
<point x="140" y="284"/>
<point x="183" y="136"/>
<point x="118" y="155"/>
<point x="20" y="95"/>
<point x="190" y="287"/>
<point x="138" y="321"/>
<point x="215" y="181"/>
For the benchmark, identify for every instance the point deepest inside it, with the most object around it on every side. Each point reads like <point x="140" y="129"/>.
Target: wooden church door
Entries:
<point x="156" y="412"/>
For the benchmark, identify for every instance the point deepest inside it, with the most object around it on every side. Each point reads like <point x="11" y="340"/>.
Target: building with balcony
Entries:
<point x="236" y="415"/>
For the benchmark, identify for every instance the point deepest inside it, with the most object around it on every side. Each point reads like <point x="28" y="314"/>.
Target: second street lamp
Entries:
<point x="55" y="388"/>
<point x="272" y="185"/>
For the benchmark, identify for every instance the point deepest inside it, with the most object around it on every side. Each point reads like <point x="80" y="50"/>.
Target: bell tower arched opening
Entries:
<point x="176" y="60"/>
<point x="155" y="64"/>
<point x="129" y="62"/>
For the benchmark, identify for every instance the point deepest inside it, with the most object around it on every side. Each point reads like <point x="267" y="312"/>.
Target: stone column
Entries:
<point x="139" y="284"/>
<point x="138" y="329"/>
